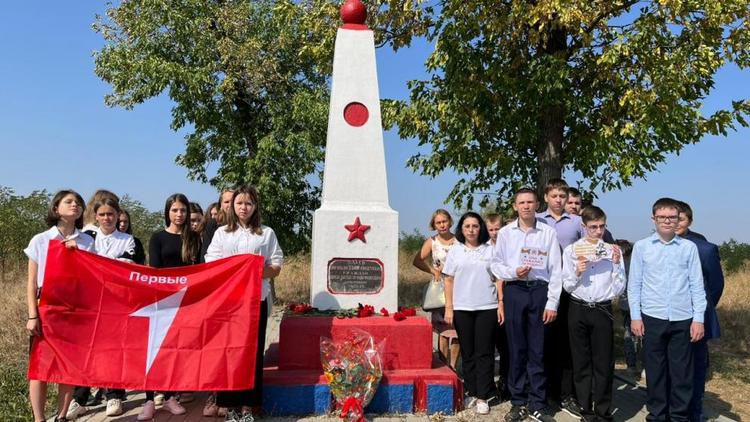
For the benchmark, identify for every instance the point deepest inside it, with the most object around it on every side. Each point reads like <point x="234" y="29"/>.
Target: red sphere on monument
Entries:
<point x="353" y="11"/>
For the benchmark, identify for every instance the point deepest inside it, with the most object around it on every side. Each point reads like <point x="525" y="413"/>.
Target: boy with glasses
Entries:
<point x="593" y="274"/>
<point x="667" y="304"/>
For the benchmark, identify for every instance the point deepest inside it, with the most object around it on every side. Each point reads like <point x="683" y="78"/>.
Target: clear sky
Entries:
<point x="55" y="132"/>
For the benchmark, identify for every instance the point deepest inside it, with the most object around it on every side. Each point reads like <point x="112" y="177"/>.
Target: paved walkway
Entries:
<point x="629" y="399"/>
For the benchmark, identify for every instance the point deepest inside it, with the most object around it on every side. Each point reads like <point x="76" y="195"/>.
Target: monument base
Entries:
<point x="413" y="381"/>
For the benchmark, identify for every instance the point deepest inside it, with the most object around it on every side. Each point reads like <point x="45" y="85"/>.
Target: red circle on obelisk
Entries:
<point x="356" y="114"/>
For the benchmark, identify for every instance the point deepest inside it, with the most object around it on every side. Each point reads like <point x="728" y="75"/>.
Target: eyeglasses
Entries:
<point x="666" y="218"/>
<point x="596" y="227"/>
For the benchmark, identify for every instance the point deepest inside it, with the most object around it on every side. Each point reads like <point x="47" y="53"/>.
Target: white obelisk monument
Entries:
<point x="355" y="231"/>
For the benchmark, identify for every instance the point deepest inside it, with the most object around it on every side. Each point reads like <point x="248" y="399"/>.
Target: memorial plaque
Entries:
<point x="355" y="275"/>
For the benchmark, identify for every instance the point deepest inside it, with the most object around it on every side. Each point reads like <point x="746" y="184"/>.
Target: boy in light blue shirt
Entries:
<point x="667" y="304"/>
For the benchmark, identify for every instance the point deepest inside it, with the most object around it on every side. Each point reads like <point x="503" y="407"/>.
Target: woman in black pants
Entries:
<point x="242" y="234"/>
<point x="473" y="304"/>
<point x="175" y="246"/>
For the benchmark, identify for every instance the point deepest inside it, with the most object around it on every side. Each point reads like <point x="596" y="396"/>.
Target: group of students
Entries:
<point x="540" y="290"/>
<point x="232" y="226"/>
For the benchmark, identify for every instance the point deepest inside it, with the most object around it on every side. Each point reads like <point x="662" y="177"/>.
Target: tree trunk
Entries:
<point x="549" y="148"/>
<point x="551" y="123"/>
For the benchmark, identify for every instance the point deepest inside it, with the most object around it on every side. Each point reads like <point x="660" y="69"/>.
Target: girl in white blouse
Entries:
<point x="65" y="219"/>
<point x="243" y="234"/>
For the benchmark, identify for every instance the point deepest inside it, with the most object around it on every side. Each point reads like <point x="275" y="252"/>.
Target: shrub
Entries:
<point x="734" y="255"/>
<point x="410" y="242"/>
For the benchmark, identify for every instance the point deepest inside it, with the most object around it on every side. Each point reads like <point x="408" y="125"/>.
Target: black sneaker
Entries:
<point x="517" y="413"/>
<point x="571" y="407"/>
<point x="542" y="415"/>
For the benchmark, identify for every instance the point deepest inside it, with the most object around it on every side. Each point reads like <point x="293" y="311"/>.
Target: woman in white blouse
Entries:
<point x="242" y="234"/>
<point x="474" y="305"/>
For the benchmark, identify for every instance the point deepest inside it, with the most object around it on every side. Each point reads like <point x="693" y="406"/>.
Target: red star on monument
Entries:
<point x="357" y="230"/>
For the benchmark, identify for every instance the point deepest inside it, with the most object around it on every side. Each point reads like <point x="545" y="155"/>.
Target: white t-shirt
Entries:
<point x="114" y="245"/>
<point x="473" y="284"/>
<point x="39" y="245"/>
<point x="225" y="244"/>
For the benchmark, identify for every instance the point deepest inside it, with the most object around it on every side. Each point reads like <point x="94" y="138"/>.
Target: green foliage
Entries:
<point x="410" y="242"/>
<point x="21" y="217"/>
<point x="520" y="91"/>
<point x="248" y="84"/>
<point x="143" y="221"/>
<point x="14" y="390"/>
<point x="734" y="255"/>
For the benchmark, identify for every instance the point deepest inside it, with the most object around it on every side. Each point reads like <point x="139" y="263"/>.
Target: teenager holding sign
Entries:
<point x="593" y="274"/>
<point x="527" y="259"/>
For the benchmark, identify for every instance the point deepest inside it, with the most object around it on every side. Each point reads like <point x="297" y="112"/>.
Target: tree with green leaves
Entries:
<point x="519" y="91"/>
<point x="21" y="217"/>
<point x="248" y="85"/>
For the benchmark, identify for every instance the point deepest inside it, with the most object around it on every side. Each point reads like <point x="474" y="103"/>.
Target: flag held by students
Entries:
<point x="107" y="323"/>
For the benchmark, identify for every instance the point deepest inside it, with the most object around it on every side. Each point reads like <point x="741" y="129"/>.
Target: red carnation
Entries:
<point x="364" y="311"/>
<point x="300" y="308"/>
<point x="384" y="311"/>
<point x="398" y="316"/>
<point x="408" y="311"/>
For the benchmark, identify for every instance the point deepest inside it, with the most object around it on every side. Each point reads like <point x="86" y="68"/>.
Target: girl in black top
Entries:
<point x="176" y="246"/>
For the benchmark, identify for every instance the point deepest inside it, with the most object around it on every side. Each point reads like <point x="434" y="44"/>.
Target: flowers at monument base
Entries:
<point x="300" y="308"/>
<point x="353" y="369"/>
<point x="407" y="311"/>
<point x="361" y="311"/>
<point x="364" y="311"/>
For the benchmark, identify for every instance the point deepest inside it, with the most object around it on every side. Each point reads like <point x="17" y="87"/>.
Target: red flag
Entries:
<point x="107" y="323"/>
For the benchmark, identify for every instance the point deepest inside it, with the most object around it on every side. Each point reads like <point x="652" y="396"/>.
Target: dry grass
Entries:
<point x="13" y="338"/>
<point x="729" y="382"/>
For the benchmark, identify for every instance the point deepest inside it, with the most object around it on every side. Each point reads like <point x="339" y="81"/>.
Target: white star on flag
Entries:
<point x="161" y="315"/>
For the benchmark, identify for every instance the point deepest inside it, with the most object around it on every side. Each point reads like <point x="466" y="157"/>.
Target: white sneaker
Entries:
<point x="147" y="412"/>
<point x="159" y="399"/>
<point x="75" y="410"/>
<point x="114" y="407"/>
<point x="482" y="407"/>
<point x="174" y="406"/>
<point x="470" y="402"/>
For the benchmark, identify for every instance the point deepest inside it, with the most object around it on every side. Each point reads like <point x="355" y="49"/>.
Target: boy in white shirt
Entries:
<point x="527" y="259"/>
<point x="593" y="274"/>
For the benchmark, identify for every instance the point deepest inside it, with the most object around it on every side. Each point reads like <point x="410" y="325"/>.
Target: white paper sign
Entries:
<point x="534" y="258"/>
<point x="594" y="252"/>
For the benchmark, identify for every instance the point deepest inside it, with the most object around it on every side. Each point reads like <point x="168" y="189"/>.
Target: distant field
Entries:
<point x="728" y="388"/>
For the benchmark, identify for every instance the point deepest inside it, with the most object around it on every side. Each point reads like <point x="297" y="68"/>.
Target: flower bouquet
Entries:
<point x="353" y="369"/>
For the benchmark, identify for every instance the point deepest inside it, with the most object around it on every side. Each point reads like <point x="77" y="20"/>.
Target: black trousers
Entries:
<point x="167" y="395"/>
<point x="254" y="396"/>
<point x="81" y="394"/>
<point x="524" y="308"/>
<point x="501" y="346"/>
<point x="592" y="343"/>
<point x="700" y="363"/>
<point x="475" y="331"/>
<point x="558" y="363"/>
<point x="668" y="359"/>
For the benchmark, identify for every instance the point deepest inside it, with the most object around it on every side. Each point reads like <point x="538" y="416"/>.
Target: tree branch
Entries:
<point x="579" y="42"/>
